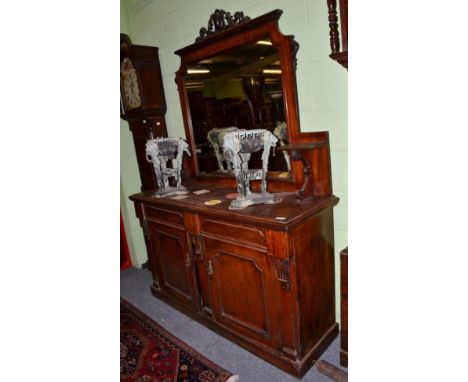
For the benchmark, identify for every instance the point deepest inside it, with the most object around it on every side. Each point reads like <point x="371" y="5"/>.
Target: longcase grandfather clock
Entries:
<point x="142" y="101"/>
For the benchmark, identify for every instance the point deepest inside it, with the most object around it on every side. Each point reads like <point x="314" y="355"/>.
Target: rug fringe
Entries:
<point x="233" y="378"/>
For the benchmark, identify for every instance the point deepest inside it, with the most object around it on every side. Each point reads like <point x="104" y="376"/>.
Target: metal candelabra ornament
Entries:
<point x="238" y="147"/>
<point x="161" y="150"/>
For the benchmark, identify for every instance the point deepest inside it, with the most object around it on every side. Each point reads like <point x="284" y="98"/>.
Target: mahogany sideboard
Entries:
<point x="262" y="277"/>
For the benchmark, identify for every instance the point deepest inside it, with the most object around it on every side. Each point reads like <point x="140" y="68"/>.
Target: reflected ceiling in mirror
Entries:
<point x="237" y="89"/>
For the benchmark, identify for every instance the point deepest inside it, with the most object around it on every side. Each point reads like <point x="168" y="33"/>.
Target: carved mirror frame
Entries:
<point x="225" y="32"/>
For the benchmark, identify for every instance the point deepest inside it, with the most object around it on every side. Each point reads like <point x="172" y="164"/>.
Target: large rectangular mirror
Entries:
<point x="240" y="74"/>
<point x="237" y="89"/>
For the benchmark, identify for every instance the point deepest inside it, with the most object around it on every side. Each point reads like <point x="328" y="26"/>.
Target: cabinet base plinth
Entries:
<point x="296" y="368"/>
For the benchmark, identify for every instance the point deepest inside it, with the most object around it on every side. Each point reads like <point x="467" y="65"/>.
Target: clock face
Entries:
<point x="129" y="85"/>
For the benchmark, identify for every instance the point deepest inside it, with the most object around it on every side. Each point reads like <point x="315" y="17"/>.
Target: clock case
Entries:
<point x="145" y="60"/>
<point x="148" y="120"/>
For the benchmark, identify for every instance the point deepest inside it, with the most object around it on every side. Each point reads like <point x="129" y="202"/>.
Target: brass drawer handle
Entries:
<point x="210" y="268"/>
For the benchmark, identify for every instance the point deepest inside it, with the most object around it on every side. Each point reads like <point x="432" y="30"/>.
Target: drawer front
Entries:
<point x="164" y="215"/>
<point x="236" y="232"/>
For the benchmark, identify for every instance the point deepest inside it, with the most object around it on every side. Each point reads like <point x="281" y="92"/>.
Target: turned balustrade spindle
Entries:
<point x="333" y="24"/>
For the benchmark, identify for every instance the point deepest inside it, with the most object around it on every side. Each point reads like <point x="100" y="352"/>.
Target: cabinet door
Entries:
<point x="172" y="262"/>
<point x="242" y="287"/>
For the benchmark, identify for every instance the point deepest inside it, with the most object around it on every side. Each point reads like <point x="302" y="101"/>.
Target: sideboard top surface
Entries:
<point x="281" y="216"/>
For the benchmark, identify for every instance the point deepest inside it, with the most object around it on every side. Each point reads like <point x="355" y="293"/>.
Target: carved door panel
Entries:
<point x="172" y="261"/>
<point x="242" y="287"/>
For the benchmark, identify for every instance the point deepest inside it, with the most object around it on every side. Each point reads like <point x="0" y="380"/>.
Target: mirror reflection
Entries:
<point x="239" y="89"/>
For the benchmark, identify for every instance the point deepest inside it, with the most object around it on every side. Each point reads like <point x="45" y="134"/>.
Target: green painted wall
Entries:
<point x="321" y="84"/>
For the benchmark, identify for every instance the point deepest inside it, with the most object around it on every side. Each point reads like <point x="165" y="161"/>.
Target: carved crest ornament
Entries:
<point x="221" y="20"/>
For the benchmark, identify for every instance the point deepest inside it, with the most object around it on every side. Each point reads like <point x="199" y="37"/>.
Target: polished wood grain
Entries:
<point x="265" y="283"/>
<point x="236" y="232"/>
<point x="291" y="211"/>
<point x="172" y="262"/>
<point x="344" y="24"/>
<point x="317" y="289"/>
<point x="241" y="278"/>
<point x="163" y="215"/>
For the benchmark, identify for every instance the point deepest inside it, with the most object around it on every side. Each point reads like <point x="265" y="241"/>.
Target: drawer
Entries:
<point x="164" y="215"/>
<point x="236" y="232"/>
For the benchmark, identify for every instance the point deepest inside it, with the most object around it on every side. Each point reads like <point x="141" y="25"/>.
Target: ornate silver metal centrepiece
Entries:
<point x="215" y="138"/>
<point x="238" y="147"/>
<point x="161" y="150"/>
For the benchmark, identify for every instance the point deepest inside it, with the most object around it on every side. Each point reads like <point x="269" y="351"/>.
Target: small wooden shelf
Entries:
<point x="297" y="153"/>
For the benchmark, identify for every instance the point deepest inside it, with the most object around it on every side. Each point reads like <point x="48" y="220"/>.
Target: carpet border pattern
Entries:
<point x="151" y="324"/>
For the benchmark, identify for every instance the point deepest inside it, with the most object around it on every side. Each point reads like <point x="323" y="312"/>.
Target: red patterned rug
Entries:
<point x="148" y="353"/>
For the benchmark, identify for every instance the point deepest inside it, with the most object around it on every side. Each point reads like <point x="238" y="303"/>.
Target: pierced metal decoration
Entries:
<point x="281" y="132"/>
<point x="238" y="147"/>
<point x="221" y="20"/>
<point x="215" y="138"/>
<point x="161" y="150"/>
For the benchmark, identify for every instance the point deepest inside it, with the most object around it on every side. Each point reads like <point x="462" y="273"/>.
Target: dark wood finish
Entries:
<point x="221" y="20"/>
<point x="125" y="260"/>
<point x="231" y="268"/>
<point x="228" y="37"/>
<point x="338" y="54"/>
<point x="331" y="371"/>
<point x="299" y="153"/>
<point x="333" y="24"/>
<point x="172" y="261"/>
<point x="265" y="283"/>
<point x="344" y="24"/>
<point x="145" y="60"/>
<point x="262" y="276"/>
<point x="344" y="307"/>
<point x="148" y="120"/>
